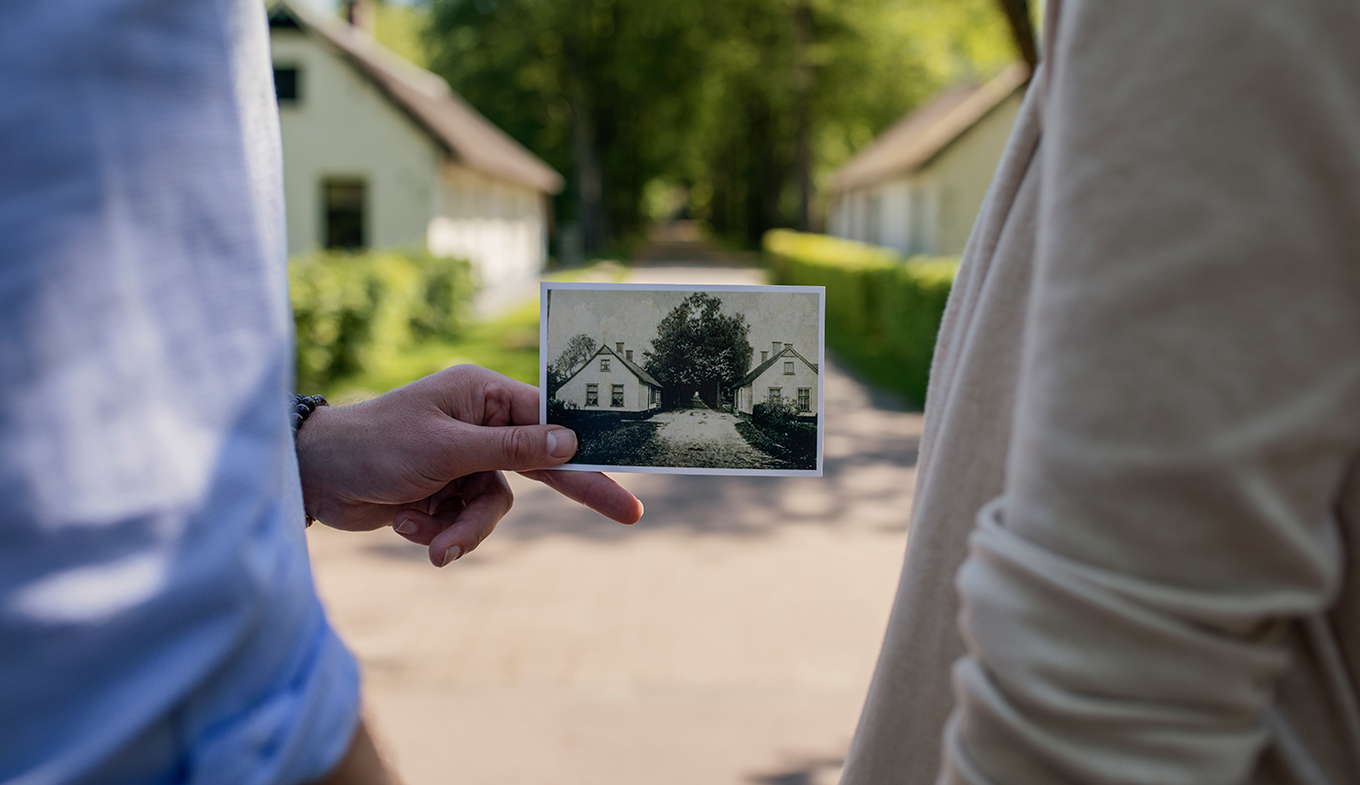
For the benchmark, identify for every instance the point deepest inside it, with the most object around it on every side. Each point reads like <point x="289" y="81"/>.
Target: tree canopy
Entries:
<point x="697" y="344"/>
<point x="579" y="348"/>
<point x="739" y="106"/>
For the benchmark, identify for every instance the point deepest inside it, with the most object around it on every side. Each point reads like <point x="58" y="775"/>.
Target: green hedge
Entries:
<point x="882" y="311"/>
<point x="355" y="309"/>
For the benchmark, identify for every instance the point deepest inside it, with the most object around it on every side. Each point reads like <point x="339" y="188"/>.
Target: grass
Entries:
<point x="610" y="442"/>
<point x="796" y="449"/>
<point x="507" y="344"/>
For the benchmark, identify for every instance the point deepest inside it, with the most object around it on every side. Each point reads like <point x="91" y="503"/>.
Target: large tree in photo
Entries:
<point x="699" y="349"/>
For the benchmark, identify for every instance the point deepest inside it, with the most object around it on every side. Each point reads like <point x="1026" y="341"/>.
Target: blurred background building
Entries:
<point x="379" y="153"/>
<point x="918" y="188"/>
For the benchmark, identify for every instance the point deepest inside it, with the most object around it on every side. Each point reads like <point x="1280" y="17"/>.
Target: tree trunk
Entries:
<point x="803" y="85"/>
<point x="1022" y="30"/>
<point x="588" y="194"/>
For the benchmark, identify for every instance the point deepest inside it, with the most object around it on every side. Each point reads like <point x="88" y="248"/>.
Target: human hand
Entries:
<point x="426" y="460"/>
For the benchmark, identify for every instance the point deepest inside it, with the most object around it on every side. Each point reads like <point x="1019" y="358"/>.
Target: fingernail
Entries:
<point x="452" y="554"/>
<point x="561" y="443"/>
<point x="407" y="526"/>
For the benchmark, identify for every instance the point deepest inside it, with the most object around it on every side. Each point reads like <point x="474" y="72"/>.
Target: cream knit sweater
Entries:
<point x="1141" y="452"/>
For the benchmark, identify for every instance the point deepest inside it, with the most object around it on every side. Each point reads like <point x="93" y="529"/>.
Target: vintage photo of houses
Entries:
<point x="683" y="379"/>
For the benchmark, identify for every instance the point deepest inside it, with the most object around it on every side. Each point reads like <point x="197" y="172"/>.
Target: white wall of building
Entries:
<point x="343" y="127"/>
<point x="500" y="227"/>
<point x="636" y="393"/>
<point x="931" y="211"/>
<point x="758" y="391"/>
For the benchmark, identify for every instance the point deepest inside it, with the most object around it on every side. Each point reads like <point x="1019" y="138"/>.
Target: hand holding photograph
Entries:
<point x="685" y="379"/>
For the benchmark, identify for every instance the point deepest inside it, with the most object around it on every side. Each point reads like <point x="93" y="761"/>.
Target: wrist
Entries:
<point x="316" y="458"/>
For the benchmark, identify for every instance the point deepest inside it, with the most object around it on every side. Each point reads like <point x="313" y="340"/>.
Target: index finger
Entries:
<point x="594" y="490"/>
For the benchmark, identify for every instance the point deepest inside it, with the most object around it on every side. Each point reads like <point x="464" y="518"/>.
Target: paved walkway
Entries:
<point x="726" y="639"/>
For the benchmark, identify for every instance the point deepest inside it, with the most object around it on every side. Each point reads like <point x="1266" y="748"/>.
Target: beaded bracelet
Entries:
<point x="303" y="406"/>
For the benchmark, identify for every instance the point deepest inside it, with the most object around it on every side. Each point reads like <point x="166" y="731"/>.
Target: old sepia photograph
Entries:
<point x="684" y="379"/>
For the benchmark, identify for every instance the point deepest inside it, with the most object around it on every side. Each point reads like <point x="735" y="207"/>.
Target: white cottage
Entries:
<point x="783" y="375"/>
<point x="919" y="187"/>
<point x="380" y="153"/>
<point x="611" y="382"/>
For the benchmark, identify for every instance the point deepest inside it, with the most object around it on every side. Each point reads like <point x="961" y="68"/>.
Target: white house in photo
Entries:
<point x="919" y="187"/>
<point x="783" y="374"/>
<point x="380" y="153"/>
<point x="611" y="382"/>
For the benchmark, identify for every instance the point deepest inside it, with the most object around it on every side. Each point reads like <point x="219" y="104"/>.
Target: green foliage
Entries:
<point x="882" y="312"/>
<point x="740" y="106"/>
<point x="401" y="27"/>
<point x="696" y="344"/>
<point x="354" y="310"/>
<point x="579" y="348"/>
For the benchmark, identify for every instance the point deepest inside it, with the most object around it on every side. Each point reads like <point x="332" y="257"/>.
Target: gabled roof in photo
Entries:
<point x="765" y="366"/>
<point x="921" y="136"/>
<point x="629" y="364"/>
<point x="469" y="137"/>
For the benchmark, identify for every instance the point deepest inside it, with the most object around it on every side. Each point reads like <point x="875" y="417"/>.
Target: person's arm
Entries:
<point x="425" y="459"/>
<point x="1189" y="402"/>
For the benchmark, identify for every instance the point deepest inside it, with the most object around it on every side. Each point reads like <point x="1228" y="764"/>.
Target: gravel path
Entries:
<point x="702" y="437"/>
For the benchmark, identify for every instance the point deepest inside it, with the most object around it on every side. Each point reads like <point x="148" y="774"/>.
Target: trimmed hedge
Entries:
<point x="882" y="311"/>
<point x="354" y="309"/>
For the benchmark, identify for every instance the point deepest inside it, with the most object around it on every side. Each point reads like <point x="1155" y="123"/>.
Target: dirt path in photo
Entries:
<point x="702" y="437"/>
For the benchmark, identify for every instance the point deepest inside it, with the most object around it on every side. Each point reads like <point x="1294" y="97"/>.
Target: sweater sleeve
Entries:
<point x="1188" y="407"/>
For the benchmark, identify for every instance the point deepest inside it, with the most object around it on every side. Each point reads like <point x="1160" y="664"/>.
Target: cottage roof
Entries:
<point x="921" y="136"/>
<point x="627" y="363"/>
<point x="765" y="366"/>
<point x="469" y="137"/>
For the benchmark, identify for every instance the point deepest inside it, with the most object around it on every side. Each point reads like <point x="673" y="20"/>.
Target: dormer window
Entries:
<point x="604" y="365"/>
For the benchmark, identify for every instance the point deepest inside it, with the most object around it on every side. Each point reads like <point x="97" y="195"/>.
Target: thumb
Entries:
<point x="510" y="448"/>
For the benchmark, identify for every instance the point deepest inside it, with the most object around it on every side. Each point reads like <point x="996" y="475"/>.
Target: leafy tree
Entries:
<point x="699" y="346"/>
<point x="743" y="105"/>
<point x="579" y="348"/>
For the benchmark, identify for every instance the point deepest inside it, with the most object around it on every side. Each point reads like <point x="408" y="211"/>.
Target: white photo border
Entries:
<point x="820" y="291"/>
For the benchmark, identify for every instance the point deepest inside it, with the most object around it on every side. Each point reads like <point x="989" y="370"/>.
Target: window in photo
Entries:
<point x="616" y="395"/>
<point x="604" y="364"/>
<point x="592" y="395"/>
<point x="788" y="368"/>
<point x="804" y="399"/>
<point x="775" y="396"/>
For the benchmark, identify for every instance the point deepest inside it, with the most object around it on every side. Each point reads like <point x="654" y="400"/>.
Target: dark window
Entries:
<point x="281" y="19"/>
<point x="616" y="395"/>
<point x="804" y="399"/>
<point x="788" y="368"/>
<point x="344" y="213"/>
<point x="592" y="395"/>
<point x="286" y="85"/>
<point x="776" y="395"/>
<point x="604" y="364"/>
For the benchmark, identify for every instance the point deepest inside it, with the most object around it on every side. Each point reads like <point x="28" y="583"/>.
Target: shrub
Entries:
<point x="354" y="309"/>
<point x="883" y="312"/>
